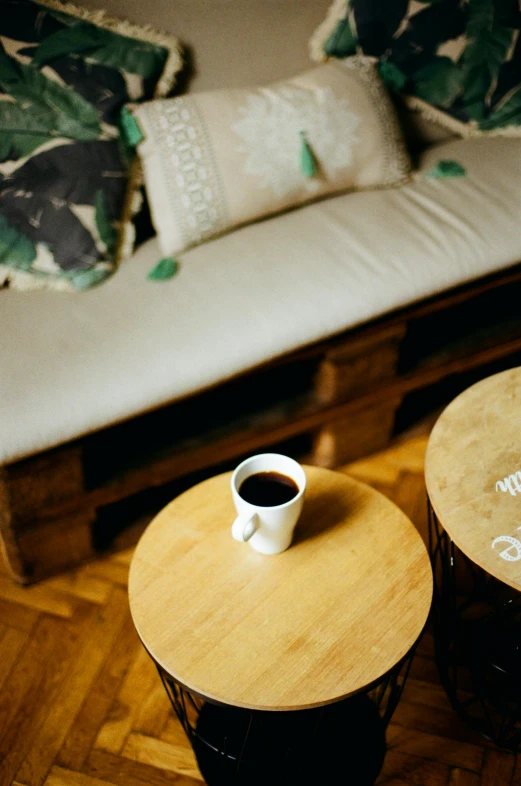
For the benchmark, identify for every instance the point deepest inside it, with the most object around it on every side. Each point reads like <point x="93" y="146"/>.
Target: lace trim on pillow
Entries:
<point x="397" y="162"/>
<point x="195" y="191"/>
<point x="444" y="120"/>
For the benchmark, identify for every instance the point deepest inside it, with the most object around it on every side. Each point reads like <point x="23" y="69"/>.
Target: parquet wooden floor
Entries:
<point x="81" y="703"/>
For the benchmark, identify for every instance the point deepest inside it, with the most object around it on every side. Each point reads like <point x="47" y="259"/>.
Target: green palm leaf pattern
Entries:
<point x="104" y="225"/>
<point x="103" y="46"/>
<point x="478" y="82"/>
<point x="57" y="111"/>
<point x="71" y="40"/>
<point x="393" y="76"/>
<point x="438" y="82"/>
<point x="18" y="249"/>
<point x="64" y="169"/>
<point x="481" y="61"/>
<point x="85" y="279"/>
<point x="22" y="130"/>
<point x="507" y="113"/>
<point x="342" y="41"/>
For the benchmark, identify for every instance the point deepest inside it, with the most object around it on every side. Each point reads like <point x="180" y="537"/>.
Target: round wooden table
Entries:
<point x="473" y="478"/>
<point x="258" y="652"/>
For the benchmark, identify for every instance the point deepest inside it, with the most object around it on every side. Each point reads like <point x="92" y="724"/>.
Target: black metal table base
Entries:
<point x="241" y="747"/>
<point x="477" y="634"/>
<point x="341" y="743"/>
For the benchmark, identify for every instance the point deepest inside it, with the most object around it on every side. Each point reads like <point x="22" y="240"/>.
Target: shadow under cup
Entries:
<point x="273" y="486"/>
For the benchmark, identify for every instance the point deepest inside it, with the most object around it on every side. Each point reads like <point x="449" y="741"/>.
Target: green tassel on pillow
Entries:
<point x="447" y="169"/>
<point x="166" y="268"/>
<point x="308" y="162"/>
<point x="130" y="130"/>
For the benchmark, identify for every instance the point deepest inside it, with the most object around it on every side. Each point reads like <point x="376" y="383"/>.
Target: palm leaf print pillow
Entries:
<point x="65" y="175"/>
<point x="458" y="62"/>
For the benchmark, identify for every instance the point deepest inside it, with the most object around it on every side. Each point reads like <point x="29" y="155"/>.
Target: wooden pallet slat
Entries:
<point x="42" y="480"/>
<point x="364" y="431"/>
<point x="43" y="550"/>
<point x="356" y="367"/>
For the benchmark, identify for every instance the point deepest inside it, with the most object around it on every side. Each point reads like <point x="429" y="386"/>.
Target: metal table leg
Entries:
<point x="477" y="635"/>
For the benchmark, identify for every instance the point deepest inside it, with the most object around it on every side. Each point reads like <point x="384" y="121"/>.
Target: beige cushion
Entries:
<point x="215" y="160"/>
<point x="75" y="363"/>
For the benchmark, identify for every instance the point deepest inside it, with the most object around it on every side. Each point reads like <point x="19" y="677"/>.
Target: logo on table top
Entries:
<point x="512" y="484"/>
<point x="512" y="553"/>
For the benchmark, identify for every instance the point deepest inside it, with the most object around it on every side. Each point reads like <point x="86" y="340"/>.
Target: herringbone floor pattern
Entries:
<point x="81" y="703"/>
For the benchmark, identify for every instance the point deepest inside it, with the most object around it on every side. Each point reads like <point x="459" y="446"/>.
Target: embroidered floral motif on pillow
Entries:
<point x="65" y="74"/>
<point x="269" y="132"/>
<point x="216" y="160"/>
<point x="458" y="62"/>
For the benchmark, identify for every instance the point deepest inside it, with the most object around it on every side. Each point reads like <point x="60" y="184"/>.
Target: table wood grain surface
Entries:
<point x="319" y="622"/>
<point x="473" y="474"/>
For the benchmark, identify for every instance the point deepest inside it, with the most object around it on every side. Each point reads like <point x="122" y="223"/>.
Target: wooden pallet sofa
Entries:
<point x="321" y="331"/>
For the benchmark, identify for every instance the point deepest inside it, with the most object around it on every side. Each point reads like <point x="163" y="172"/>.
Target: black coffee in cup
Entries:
<point x="268" y="489"/>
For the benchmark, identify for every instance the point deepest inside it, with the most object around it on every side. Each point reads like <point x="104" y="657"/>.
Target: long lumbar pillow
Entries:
<point x="216" y="160"/>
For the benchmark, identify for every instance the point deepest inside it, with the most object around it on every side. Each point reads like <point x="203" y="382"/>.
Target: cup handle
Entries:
<point x="244" y="526"/>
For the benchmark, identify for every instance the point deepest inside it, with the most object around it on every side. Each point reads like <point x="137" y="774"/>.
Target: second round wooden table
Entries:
<point x="473" y="478"/>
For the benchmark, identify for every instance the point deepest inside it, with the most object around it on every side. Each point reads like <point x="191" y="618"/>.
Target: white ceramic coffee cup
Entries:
<point x="269" y="530"/>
